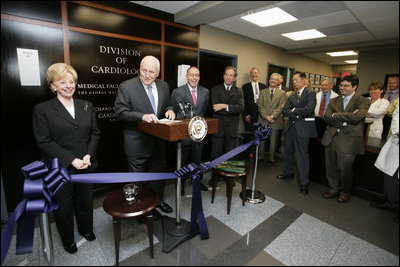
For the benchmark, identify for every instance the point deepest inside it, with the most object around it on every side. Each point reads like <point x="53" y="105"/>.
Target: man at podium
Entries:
<point x="187" y="101"/>
<point x="145" y="98"/>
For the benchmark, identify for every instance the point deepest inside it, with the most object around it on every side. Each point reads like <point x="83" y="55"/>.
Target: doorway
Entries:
<point x="212" y="66"/>
<point x="287" y="74"/>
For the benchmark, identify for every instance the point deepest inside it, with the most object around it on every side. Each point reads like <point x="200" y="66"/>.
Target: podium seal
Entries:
<point x="197" y="128"/>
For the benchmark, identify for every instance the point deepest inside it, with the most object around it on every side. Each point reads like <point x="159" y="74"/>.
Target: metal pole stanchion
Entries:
<point x="254" y="196"/>
<point x="47" y="242"/>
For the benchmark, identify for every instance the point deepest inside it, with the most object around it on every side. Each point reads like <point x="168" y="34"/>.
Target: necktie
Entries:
<point x="194" y="97"/>
<point x="345" y="100"/>
<point x="390" y="94"/>
<point x="322" y="107"/>
<point x="152" y="100"/>
<point x="272" y="94"/>
<point x="298" y="97"/>
<point x="257" y="92"/>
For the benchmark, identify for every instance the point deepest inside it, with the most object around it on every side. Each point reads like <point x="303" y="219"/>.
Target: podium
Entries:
<point x="175" y="230"/>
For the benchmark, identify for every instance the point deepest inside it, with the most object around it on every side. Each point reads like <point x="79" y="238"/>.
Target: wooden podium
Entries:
<point x="174" y="131"/>
<point x="175" y="231"/>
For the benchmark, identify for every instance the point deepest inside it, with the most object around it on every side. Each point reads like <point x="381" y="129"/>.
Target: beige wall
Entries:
<point x="374" y="65"/>
<point x="252" y="53"/>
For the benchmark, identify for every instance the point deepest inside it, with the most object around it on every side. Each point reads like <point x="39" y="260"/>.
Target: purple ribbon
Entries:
<point x="45" y="178"/>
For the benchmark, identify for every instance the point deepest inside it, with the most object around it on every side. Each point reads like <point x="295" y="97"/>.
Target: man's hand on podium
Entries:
<point x="149" y="118"/>
<point x="170" y="115"/>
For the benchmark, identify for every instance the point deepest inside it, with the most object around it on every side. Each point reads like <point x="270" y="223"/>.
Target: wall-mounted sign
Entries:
<point x="28" y="66"/>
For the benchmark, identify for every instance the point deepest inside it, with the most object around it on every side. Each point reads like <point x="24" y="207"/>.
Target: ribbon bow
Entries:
<point x="262" y="132"/>
<point x="197" y="214"/>
<point x="42" y="181"/>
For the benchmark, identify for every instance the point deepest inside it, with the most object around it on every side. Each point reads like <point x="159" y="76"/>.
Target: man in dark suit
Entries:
<point x="300" y="128"/>
<point x="197" y="96"/>
<point x="227" y="102"/>
<point x="145" y="98"/>
<point x="343" y="138"/>
<point x="251" y="93"/>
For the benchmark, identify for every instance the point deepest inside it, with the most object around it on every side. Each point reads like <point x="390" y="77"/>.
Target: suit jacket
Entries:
<point x="272" y="107"/>
<point x="251" y="108"/>
<point x="59" y="135"/>
<point x="319" y="99"/>
<point x="184" y="95"/>
<point x="351" y="137"/>
<point x="302" y="118"/>
<point x="228" y="121"/>
<point x="131" y="103"/>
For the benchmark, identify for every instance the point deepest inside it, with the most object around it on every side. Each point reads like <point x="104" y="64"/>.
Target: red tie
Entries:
<point x="322" y="107"/>
<point x="194" y="97"/>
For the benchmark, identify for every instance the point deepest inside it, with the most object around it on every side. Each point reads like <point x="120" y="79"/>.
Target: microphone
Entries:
<point x="181" y="108"/>
<point x="191" y="109"/>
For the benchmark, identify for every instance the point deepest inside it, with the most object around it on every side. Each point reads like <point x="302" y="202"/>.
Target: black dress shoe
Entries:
<point x="304" y="189"/>
<point x="89" y="236"/>
<point x="385" y="205"/>
<point x="71" y="248"/>
<point x="203" y="187"/>
<point x="164" y="207"/>
<point x="285" y="176"/>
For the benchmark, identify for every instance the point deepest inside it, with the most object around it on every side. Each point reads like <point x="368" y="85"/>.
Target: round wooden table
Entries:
<point x="118" y="207"/>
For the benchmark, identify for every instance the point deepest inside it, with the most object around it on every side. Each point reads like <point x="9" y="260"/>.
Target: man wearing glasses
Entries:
<point x="145" y="98"/>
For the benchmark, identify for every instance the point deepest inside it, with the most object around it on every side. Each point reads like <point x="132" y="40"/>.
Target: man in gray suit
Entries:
<point x="299" y="129"/>
<point x="145" y="98"/>
<point x="190" y="100"/>
<point x="343" y="138"/>
<point x="270" y="105"/>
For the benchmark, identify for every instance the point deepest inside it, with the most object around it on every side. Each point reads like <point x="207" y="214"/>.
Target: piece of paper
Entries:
<point x="182" y="71"/>
<point x="168" y="121"/>
<point x="28" y="65"/>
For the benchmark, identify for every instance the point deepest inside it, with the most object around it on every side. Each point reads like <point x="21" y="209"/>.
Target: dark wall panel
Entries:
<point x="18" y="146"/>
<point x="42" y="10"/>
<point x="181" y="36"/>
<point x="173" y="57"/>
<point x="102" y="64"/>
<point x="102" y="20"/>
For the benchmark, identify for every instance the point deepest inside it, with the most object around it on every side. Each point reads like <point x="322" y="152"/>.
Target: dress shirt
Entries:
<point x="226" y="88"/>
<point x="256" y="96"/>
<point x="154" y="91"/>
<point x="391" y="95"/>
<point x="190" y="90"/>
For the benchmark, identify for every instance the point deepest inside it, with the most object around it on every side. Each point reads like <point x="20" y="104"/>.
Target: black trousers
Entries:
<point x="156" y="163"/>
<point x="74" y="198"/>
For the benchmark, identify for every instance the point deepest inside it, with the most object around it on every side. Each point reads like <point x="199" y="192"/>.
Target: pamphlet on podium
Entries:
<point x="165" y="120"/>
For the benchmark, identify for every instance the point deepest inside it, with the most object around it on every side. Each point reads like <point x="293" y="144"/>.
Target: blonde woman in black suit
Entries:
<point x="66" y="128"/>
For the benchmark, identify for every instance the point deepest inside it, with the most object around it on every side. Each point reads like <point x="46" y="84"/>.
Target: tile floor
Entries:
<point x="287" y="229"/>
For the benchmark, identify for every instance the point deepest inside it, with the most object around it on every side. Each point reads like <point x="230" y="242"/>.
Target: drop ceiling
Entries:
<point x="349" y="25"/>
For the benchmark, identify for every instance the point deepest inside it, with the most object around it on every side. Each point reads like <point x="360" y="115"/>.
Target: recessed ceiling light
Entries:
<point x="342" y="53"/>
<point x="355" y="61"/>
<point x="304" y="35"/>
<point x="269" y="17"/>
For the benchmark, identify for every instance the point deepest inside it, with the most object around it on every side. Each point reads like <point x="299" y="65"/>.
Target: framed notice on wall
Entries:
<point x="317" y="79"/>
<point x="312" y="78"/>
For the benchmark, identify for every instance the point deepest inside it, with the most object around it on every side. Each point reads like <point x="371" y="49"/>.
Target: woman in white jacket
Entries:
<point x="388" y="163"/>
<point x="377" y="110"/>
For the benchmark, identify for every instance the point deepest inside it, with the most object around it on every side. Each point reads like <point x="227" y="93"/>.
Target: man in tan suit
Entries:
<point x="270" y="106"/>
<point x="343" y="138"/>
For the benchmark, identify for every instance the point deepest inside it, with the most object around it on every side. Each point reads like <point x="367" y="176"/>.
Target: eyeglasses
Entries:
<point x="146" y="71"/>
<point x="193" y="74"/>
<point x="65" y="83"/>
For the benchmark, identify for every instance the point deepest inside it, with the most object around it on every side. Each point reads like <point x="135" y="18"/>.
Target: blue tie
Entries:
<point x="152" y="100"/>
<point x="345" y="100"/>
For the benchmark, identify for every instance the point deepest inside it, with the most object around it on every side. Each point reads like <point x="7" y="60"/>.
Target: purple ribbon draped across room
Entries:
<point x="44" y="178"/>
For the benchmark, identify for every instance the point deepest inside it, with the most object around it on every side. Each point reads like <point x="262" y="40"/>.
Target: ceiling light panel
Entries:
<point x="269" y="17"/>
<point x="304" y="35"/>
<point x="355" y="61"/>
<point x="342" y="53"/>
